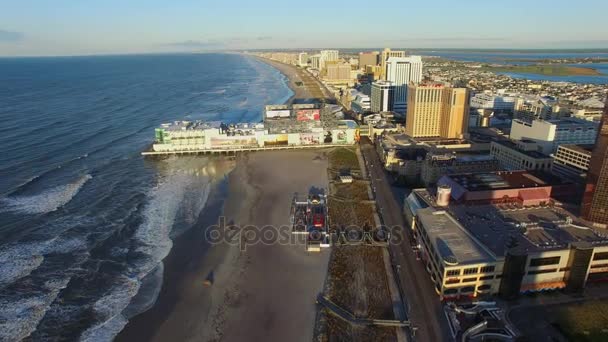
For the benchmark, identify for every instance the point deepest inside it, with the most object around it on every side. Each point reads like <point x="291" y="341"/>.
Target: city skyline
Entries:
<point x="69" y="28"/>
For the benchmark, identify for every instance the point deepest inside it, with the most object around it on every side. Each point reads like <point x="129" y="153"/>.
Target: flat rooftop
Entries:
<point x="498" y="180"/>
<point x="530" y="229"/>
<point x="450" y="239"/>
<point x="513" y="146"/>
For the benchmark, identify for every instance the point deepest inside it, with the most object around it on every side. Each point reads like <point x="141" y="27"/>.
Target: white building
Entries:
<point x="361" y="103"/>
<point x="315" y="62"/>
<point x="402" y="71"/>
<point x="382" y="96"/>
<point x="519" y="155"/>
<point x="303" y="59"/>
<point x="328" y="56"/>
<point x="494" y="102"/>
<point x="552" y="133"/>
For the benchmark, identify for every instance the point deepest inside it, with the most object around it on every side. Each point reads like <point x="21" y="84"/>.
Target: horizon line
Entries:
<point x="241" y="50"/>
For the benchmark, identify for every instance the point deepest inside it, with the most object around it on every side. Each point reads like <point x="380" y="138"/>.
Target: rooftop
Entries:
<point x="452" y="241"/>
<point x="510" y="144"/>
<point x="496" y="180"/>
<point x="527" y="229"/>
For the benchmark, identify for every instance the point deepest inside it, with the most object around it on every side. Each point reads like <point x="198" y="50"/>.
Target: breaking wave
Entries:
<point x="47" y="201"/>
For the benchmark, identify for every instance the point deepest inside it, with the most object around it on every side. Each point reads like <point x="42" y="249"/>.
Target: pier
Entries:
<point x="233" y="151"/>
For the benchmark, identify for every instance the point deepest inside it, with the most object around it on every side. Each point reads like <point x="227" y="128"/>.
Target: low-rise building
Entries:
<point x="474" y="249"/>
<point x="520" y="155"/>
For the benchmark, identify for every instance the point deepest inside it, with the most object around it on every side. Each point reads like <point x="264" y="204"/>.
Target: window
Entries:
<point x="544" y="261"/>
<point x="467" y="289"/>
<point x="600" y="256"/>
<point x="468" y="280"/>
<point x="452" y="281"/>
<point x="484" y="287"/>
<point x="472" y="270"/>
<point x="551" y="270"/>
<point x="487" y="269"/>
<point x="486" y="277"/>
<point x="452" y="273"/>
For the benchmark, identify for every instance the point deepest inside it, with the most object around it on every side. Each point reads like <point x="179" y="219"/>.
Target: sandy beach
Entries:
<point x="266" y="291"/>
<point x="309" y="89"/>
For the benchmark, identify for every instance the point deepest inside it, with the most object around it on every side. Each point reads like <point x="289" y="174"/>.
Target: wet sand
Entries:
<point x="265" y="292"/>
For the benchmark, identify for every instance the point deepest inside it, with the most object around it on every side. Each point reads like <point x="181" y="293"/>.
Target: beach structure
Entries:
<point x="283" y="127"/>
<point x="309" y="217"/>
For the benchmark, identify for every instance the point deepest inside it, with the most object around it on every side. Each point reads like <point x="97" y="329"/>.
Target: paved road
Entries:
<point x="425" y="310"/>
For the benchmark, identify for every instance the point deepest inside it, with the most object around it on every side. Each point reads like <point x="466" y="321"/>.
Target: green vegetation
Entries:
<point x="584" y="322"/>
<point x="344" y="158"/>
<point x="544" y="69"/>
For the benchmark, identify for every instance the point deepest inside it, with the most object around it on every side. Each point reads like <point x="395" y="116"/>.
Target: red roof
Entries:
<point x="533" y="194"/>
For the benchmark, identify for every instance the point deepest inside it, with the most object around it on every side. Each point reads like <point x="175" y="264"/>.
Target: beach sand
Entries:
<point x="310" y="90"/>
<point x="267" y="291"/>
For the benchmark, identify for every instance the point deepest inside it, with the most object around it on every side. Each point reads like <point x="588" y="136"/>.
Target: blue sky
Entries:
<point x="72" y="27"/>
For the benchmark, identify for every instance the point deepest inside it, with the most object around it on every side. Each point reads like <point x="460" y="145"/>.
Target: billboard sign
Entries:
<point x="278" y="113"/>
<point x="308" y="115"/>
<point x="310" y="139"/>
<point x="340" y="136"/>
<point x="276" y="140"/>
<point x="233" y="142"/>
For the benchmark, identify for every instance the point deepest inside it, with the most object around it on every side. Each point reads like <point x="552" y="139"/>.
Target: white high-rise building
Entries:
<point x="382" y="96"/>
<point x="302" y="59"/>
<point x="402" y="71"/>
<point x="329" y="56"/>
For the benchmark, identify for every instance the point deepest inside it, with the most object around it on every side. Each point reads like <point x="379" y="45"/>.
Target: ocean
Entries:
<point x="85" y="221"/>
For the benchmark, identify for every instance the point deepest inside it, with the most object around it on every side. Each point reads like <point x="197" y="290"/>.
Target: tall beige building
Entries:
<point x="368" y="58"/>
<point x="338" y="72"/>
<point x="384" y="56"/>
<point x="434" y="110"/>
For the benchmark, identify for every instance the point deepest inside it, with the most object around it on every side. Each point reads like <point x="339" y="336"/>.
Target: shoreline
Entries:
<point x="185" y="309"/>
<point x="311" y="90"/>
<point x="189" y="250"/>
<point x="278" y="282"/>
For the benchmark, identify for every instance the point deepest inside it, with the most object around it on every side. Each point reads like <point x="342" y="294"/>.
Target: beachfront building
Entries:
<point x="315" y="62"/>
<point x="303" y="59"/>
<point x="492" y="233"/>
<point x="338" y="73"/>
<point x="368" y="58"/>
<point x="382" y="99"/>
<point x="520" y="155"/>
<point x="283" y="126"/>
<point x="435" y="110"/>
<point x="384" y="56"/>
<point x="549" y="134"/>
<point x="402" y="71"/>
<point x="328" y="56"/>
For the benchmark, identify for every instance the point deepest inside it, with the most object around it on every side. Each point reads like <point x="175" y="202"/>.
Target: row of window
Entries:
<point x="471" y="270"/>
